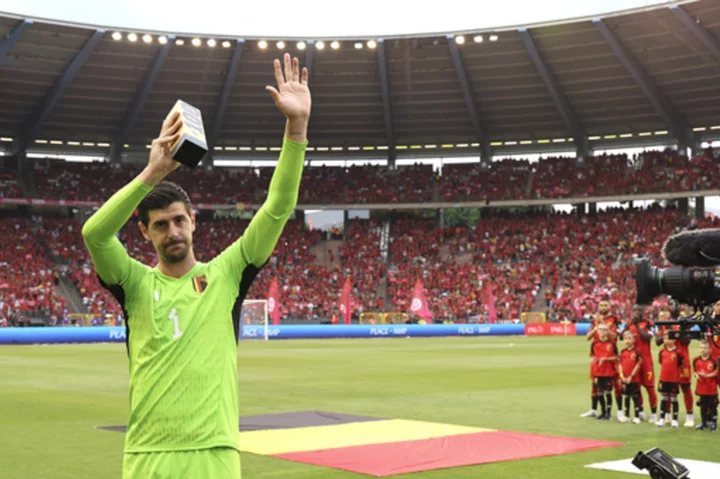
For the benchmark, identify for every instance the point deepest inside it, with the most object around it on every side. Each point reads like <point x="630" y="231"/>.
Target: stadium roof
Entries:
<point x="653" y="73"/>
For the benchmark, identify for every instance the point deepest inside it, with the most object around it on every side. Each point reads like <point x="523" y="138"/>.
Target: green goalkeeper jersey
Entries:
<point x="182" y="332"/>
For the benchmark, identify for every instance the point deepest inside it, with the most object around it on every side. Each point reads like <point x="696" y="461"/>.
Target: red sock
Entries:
<point x="652" y="397"/>
<point x="688" y="396"/>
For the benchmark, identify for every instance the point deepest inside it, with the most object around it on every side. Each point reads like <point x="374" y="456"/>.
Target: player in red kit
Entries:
<point x="706" y="372"/>
<point x="629" y="369"/>
<point x="641" y="327"/>
<point x="714" y="339"/>
<point x="603" y="317"/>
<point x="604" y="354"/>
<point x="671" y="361"/>
<point x="685" y="377"/>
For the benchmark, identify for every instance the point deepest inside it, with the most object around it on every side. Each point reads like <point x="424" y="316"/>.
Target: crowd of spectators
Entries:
<point x="27" y="276"/>
<point x="510" y="179"/>
<point x="563" y="262"/>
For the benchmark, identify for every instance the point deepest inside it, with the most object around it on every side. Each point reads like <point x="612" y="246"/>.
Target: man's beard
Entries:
<point x="174" y="255"/>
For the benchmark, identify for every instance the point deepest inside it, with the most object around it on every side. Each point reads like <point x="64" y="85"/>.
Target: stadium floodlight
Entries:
<point x="494" y="38"/>
<point x="56" y="142"/>
<point x="460" y="39"/>
<point x="358" y="46"/>
<point x="478" y="39"/>
<point x="132" y="37"/>
<point x="212" y="43"/>
<point x="147" y="38"/>
<point x="371" y="44"/>
<point x="661" y="132"/>
<point x="262" y="44"/>
<point x="226" y="44"/>
<point x="179" y="42"/>
<point x="42" y="142"/>
<point x="162" y="40"/>
<point x="280" y="45"/>
<point x="73" y="143"/>
<point x="103" y="145"/>
<point x="117" y="36"/>
<point x="626" y="135"/>
<point x="301" y="45"/>
<point x="335" y="45"/>
<point x="699" y="128"/>
<point x="716" y="127"/>
<point x="196" y="42"/>
<point x="320" y="45"/>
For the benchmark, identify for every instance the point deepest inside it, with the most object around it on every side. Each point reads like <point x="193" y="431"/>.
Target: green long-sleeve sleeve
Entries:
<point x="111" y="261"/>
<point x="259" y="239"/>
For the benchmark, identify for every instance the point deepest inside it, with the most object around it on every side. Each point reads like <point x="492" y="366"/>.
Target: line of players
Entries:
<point x="625" y="372"/>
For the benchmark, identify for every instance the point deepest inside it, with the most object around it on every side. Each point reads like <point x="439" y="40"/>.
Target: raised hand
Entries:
<point x="292" y="95"/>
<point x="161" y="161"/>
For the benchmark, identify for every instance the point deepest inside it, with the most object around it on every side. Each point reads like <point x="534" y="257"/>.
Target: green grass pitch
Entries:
<point x="53" y="397"/>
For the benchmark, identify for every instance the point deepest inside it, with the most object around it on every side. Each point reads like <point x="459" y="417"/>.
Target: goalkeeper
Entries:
<point x="182" y="316"/>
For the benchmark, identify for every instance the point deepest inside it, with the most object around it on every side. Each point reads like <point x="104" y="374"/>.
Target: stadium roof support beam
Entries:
<point x="387" y="111"/>
<point x="578" y="132"/>
<point x="138" y="103"/>
<point x="228" y="83"/>
<point x="309" y="58"/>
<point x="707" y="39"/>
<point x="485" y="155"/>
<point x="42" y="110"/>
<point x="678" y="127"/>
<point x="11" y="38"/>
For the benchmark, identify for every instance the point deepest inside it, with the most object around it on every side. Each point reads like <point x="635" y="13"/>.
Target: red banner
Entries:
<point x="490" y="301"/>
<point x="274" y="301"/>
<point x="346" y="301"/>
<point x="418" y="304"/>
<point x="550" y="329"/>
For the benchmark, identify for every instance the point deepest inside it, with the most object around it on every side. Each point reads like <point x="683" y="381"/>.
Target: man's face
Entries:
<point x="637" y="313"/>
<point x="716" y="308"/>
<point x="170" y="231"/>
<point x="604" y="307"/>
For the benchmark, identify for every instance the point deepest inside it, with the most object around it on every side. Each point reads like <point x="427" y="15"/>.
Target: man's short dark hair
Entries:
<point x="162" y="196"/>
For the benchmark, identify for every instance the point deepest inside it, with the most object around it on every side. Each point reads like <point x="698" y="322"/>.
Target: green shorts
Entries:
<point x="216" y="463"/>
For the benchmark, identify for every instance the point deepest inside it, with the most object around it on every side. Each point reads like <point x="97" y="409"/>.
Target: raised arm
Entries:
<point x="111" y="261"/>
<point x="292" y="98"/>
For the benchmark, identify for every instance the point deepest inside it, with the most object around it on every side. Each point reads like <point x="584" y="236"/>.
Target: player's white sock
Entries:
<point x="642" y="416"/>
<point x="621" y="416"/>
<point x="590" y="413"/>
<point x="668" y="417"/>
<point x="660" y="422"/>
<point x="689" y="421"/>
<point x="674" y="424"/>
<point x="653" y="418"/>
<point x="636" y="420"/>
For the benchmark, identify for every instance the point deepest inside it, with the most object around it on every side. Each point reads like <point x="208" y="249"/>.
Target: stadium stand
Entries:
<point x="550" y="178"/>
